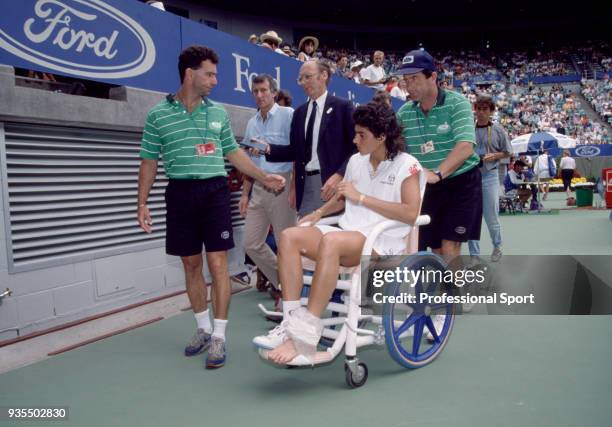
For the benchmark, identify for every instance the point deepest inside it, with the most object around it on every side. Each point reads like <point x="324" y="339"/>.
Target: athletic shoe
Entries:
<point x="275" y="337"/>
<point x="199" y="343"/>
<point x="216" y="353"/>
<point x="243" y="278"/>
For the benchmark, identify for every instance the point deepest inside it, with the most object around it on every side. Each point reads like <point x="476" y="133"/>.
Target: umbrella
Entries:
<point x="533" y="143"/>
<point x="536" y="143"/>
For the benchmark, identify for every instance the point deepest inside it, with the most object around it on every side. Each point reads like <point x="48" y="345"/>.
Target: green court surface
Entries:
<point x="495" y="371"/>
<point x="574" y="231"/>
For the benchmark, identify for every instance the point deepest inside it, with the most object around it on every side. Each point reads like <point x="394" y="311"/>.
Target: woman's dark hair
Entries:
<point x="380" y="119"/>
<point x="382" y="96"/>
<point x="192" y="57"/>
<point x="283" y="98"/>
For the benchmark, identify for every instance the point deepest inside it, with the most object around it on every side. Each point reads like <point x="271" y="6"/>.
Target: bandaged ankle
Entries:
<point x="305" y="330"/>
<point x="288" y="306"/>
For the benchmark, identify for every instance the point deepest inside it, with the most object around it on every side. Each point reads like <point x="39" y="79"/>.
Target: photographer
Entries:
<point x="493" y="145"/>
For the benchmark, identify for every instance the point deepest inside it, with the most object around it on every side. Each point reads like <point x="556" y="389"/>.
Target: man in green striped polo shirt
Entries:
<point x="193" y="136"/>
<point x="439" y="132"/>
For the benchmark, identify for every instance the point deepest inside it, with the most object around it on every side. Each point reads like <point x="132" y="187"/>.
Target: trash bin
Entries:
<point x="584" y="197"/>
<point x="606" y="177"/>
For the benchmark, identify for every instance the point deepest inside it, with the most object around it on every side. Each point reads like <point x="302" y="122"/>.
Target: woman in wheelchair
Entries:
<point x="381" y="182"/>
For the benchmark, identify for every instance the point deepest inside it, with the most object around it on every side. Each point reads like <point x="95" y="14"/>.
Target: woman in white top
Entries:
<point x="567" y="166"/>
<point x="401" y="90"/>
<point x="381" y="182"/>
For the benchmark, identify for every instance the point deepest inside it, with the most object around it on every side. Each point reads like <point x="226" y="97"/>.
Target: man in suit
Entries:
<point x="321" y="140"/>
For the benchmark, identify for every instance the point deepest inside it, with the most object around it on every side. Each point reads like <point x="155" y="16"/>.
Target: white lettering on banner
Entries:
<point x="244" y="73"/>
<point x="87" y="39"/>
<point x="56" y="22"/>
<point x="240" y="72"/>
<point x="587" y="151"/>
<point x="278" y="82"/>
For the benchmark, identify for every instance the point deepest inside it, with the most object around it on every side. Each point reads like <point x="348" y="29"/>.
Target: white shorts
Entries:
<point x="384" y="245"/>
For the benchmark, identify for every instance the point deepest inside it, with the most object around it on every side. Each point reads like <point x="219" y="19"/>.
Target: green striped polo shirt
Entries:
<point x="192" y="145"/>
<point x="450" y="121"/>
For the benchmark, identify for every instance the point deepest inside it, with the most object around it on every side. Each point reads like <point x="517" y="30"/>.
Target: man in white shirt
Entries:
<point x="545" y="169"/>
<point x="374" y="75"/>
<point x="273" y="40"/>
<point x="567" y="166"/>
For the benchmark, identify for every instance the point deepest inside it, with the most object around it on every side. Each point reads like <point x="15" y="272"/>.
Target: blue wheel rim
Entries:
<point x="417" y="354"/>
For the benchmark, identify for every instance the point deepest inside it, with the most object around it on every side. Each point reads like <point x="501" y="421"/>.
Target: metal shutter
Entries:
<point x="70" y="194"/>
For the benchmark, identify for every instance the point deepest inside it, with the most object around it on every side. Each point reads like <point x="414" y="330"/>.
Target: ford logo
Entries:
<point x="587" y="151"/>
<point x="87" y="38"/>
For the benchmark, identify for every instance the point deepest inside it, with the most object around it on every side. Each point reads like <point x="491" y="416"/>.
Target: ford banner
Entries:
<point x="603" y="150"/>
<point x="126" y="42"/>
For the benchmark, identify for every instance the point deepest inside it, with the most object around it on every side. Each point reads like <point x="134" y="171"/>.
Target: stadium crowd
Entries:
<point x="522" y="107"/>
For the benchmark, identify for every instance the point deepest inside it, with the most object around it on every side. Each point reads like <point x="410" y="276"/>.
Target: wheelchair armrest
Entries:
<point x="376" y="231"/>
<point x="422" y="220"/>
<point x="388" y="225"/>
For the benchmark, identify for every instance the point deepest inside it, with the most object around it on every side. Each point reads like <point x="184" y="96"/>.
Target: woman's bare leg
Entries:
<point x="335" y="249"/>
<point x="295" y="242"/>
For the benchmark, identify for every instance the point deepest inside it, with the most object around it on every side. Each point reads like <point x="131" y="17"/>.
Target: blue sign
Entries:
<point x="91" y="39"/>
<point x="132" y="44"/>
<point x="586" y="151"/>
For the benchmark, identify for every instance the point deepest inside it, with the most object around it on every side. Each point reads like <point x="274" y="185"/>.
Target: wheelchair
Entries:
<point x="402" y="327"/>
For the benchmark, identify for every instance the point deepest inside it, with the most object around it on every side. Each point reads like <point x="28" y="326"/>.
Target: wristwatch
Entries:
<point x="439" y="174"/>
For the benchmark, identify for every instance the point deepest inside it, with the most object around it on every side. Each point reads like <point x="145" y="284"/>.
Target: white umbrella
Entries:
<point x="536" y="143"/>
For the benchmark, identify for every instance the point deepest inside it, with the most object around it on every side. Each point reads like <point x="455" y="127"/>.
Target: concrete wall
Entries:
<point x="56" y="295"/>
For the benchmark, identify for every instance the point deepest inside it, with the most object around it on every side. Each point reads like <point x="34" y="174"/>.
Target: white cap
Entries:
<point x="156" y="4"/>
<point x="356" y="64"/>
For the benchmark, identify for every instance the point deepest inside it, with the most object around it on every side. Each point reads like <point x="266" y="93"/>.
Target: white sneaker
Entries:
<point x="275" y="337"/>
<point x="438" y="321"/>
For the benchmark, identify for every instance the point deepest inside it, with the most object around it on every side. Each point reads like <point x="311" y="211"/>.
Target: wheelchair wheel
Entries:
<point x="406" y="324"/>
<point x="355" y="380"/>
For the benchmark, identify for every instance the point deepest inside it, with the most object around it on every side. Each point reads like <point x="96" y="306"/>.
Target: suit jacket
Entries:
<point x="334" y="148"/>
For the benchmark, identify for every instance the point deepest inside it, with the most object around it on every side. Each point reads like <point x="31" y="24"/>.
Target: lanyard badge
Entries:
<point x="428" y="147"/>
<point x="205" y="149"/>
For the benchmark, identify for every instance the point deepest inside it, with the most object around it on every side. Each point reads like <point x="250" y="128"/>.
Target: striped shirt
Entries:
<point x="192" y="145"/>
<point x="450" y="121"/>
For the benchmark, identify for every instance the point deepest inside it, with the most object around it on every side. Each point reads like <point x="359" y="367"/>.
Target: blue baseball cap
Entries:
<point x="416" y="61"/>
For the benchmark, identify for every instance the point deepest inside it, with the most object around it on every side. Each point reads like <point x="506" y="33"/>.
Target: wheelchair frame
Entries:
<point x="390" y="331"/>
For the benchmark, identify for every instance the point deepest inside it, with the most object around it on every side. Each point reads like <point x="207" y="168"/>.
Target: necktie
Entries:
<point x="310" y="131"/>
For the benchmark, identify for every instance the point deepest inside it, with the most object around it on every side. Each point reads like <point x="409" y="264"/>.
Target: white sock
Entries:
<point x="203" y="320"/>
<point x="219" y="330"/>
<point x="288" y="306"/>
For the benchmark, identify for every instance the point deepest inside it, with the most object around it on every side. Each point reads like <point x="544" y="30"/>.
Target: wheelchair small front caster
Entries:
<point x="355" y="375"/>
